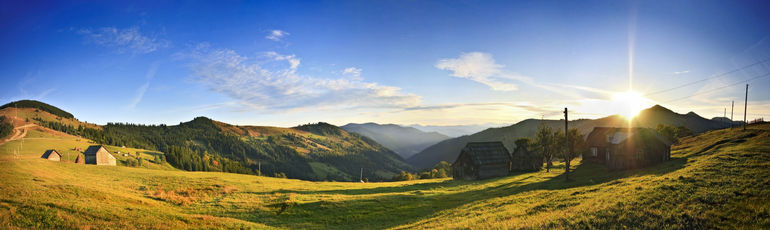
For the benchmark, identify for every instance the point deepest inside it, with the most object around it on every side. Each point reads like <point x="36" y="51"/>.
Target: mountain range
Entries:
<point x="405" y="141"/>
<point x="448" y="150"/>
<point x="317" y="151"/>
<point x="454" y="130"/>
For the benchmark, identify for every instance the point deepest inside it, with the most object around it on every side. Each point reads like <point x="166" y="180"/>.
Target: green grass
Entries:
<point x="37" y="142"/>
<point x="719" y="179"/>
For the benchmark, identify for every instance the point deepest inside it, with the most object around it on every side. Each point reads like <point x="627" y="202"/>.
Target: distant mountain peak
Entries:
<point x="692" y="114"/>
<point x="659" y="108"/>
<point x="405" y="141"/>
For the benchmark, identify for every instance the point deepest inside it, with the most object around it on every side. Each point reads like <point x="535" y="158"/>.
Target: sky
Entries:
<point x="285" y="63"/>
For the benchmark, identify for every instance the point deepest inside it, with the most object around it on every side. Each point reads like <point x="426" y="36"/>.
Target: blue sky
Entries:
<point x="285" y="63"/>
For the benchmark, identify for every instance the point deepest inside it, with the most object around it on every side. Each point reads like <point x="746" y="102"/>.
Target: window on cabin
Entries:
<point x="594" y="151"/>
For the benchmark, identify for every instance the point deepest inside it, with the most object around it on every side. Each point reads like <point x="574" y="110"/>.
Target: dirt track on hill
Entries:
<point x="18" y="133"/>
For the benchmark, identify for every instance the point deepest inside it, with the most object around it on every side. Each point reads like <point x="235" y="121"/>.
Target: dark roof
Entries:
<point x="48" y="153"/>
<point x="93" y="149"/>
<point x="598" y="137"/>
<point x="487" y="152"/>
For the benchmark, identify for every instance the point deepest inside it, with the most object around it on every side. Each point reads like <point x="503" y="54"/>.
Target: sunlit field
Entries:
<point x="719" y="178"/>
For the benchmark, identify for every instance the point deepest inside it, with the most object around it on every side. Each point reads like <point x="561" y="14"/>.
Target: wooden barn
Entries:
<point x="52" y="155"/>
<point x="98" y="155"/>
<point x="480" y="160"/>
<point x="626" y="148"/>
<point x="524" y="159"/>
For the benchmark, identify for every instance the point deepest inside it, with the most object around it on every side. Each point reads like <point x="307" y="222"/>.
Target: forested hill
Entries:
<point x="449" y="149"/>
<point x="38" y="105"/>
<point x="311" y="152"/>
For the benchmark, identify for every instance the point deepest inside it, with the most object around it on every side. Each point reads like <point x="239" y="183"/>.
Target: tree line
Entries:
<point x="6" y="128"/>
<point x="200" y="145"/>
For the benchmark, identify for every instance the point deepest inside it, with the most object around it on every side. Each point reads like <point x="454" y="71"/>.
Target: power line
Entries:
<point x="708" y="78"/>
<point x="715" y="89"/>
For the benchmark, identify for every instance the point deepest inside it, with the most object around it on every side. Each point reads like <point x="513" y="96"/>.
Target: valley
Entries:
<point x="703" y="186"/>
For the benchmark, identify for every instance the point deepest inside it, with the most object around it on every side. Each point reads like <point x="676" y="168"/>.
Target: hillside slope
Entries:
<point x="405" y="141"/>
<point x="449" y="149"/>
<point x="718" y="179"/>
<point x="32" y="104"/>
<point x="311" y="152"/>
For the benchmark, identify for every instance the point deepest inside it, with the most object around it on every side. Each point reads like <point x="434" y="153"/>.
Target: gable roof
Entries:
<point x="48" y="153"/>
<point x="601" y="136"/>
<point x="487" y="152"/>
<point x="93" y="149"/>
<point x="598" y="137"/>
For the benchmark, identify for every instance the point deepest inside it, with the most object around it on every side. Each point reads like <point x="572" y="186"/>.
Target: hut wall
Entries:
<point x="102" y="157"/>
<point x="54" y="157"/>
<point x="493" y="170"/>
<point x="463" y="168"/>
<point x="91" y="159"/>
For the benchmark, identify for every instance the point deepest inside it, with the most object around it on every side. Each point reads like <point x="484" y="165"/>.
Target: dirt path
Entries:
<point x="18" y="133"/>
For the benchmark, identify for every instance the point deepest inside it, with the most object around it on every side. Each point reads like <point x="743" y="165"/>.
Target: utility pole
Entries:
<point x="361" y="177"/>
<point x="568" y="154"/>
<point x="259" y="167"/>
<point x="745" y="104"/>
<point x="732" y="108"/>
<point x="725" y="116"/>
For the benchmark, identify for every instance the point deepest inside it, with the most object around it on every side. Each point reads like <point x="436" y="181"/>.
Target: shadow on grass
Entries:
<point x="400" y="205"/>
<point x="589" y="173"/>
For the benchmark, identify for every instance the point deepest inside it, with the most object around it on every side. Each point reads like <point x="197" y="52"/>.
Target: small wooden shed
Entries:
<point x="52" y="155"/>
<point x="626" y="148"/>
<point x="98" y="155"/>
<point x="480" y="160"/>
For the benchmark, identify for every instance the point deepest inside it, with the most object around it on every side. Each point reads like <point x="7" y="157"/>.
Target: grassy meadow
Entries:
<point x="719" y="179"/>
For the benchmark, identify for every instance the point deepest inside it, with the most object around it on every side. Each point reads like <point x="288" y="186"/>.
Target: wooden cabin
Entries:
<point x="626" y="148"/>
<point x="524" y="159"/>
<point x="52" y="155"/>
<point x="480" y="160"/>
<point x="98" y="155"/>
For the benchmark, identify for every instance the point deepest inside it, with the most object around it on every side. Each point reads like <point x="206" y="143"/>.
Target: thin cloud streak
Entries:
<point x="277" y="35"/>
<point x="125" y="40"/>
<point x="143" y="89"/>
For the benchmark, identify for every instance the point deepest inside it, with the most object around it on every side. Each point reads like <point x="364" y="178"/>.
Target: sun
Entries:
<point x="629" y="103"/>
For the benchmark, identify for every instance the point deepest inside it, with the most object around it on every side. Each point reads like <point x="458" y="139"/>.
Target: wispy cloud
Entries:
<point x="681" y="72"/>
<point x="476" y="66"/>
<point x="143" y="88"/>
<point x="25" y="94"/>
<point x="352" y="72"/>
<point x="125" y="40"/>
<point x="292" y="59"/>
<point x="521" y="105"/>
<point x="43" y="94"/>
<point x="270" y="85"/>
<point x="277" y="35"/>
